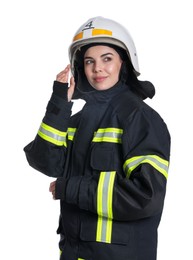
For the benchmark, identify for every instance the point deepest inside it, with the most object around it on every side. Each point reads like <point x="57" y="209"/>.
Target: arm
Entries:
<point x="46" y="152"/>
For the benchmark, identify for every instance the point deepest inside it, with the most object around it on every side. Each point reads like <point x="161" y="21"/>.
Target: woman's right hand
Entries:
<point x="63" y="77"/>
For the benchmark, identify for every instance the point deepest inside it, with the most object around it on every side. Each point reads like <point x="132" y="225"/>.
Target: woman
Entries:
<point x="110" y="159"/>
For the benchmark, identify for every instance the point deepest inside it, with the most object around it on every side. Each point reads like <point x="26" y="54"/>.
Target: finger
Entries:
<point x="53" y="194"/>
<point x="52" y="186"/>
<point x="63" y="75"/>
<point x="65" y="70"/>
<point x="71" y="88"/>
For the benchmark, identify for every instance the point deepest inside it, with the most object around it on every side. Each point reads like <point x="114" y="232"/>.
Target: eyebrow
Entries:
<point x="108" y="53"/>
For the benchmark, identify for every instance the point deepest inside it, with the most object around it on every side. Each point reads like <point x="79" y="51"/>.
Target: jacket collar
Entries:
<point x="103" y="95"/>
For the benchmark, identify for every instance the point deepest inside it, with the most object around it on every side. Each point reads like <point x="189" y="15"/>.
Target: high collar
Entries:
<point x="104" y="96"/>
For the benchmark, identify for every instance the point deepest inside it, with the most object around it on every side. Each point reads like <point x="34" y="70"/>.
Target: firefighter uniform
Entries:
<point x="111" y="162"/>
<point x="113" y="156"/>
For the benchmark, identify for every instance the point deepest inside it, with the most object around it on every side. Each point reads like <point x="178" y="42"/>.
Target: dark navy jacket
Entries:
<point x="111" y="161"/>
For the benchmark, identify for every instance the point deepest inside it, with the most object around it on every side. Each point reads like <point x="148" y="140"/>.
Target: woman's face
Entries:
<point x="102" y="65"/>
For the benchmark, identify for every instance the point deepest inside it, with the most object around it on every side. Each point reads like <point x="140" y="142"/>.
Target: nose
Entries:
<point x="97" y="67"/>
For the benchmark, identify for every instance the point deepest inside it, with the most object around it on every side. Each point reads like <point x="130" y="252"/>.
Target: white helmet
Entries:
<point x="99" y="30"/>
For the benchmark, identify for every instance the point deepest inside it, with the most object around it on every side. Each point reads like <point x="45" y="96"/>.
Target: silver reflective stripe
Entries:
<point x="157" y="162"/>
<point x="105" y="206"/>
<point x="52" y="135"/>
<point x="108" y="134"/>
<point x="105" y="194"/>
<point x="112" y="135"/>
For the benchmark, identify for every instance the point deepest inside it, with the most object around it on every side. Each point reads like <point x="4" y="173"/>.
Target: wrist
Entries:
<point x="60" y="89"/>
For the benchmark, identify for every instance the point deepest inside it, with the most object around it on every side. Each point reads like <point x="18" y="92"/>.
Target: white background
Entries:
<point x="34" y="38"/>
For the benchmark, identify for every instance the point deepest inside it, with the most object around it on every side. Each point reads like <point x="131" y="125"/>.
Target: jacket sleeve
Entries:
<point x="139" y="190"/>
<point x="46" y="153"/>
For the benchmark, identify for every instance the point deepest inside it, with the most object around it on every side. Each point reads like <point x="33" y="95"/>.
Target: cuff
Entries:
<point x="61" y="90"/>
<point x="60" y="190"/>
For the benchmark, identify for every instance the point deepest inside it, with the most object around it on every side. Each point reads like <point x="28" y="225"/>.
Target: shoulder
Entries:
<point x="127" y="104"/>
<point x="129" y="107"/>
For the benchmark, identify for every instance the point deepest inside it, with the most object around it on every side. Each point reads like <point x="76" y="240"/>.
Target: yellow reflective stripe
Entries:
<point x="110" y="207"/>
<point x="110" y="194"/>
<point x="104" y="206"/>
<point x="100" y="194"/>
<point x="52" y="135"/>
<point x="157" y="162"/>
<point x="100" y="223"/>
<point x="55" y="136"/>
<point x="94" y="32"/>
<point x="71" y="133"/>
<point x="112" y="135"/>
<point x="78" y="36"/>
<point x="81" y="259"/>
<point x="101" y="32"/>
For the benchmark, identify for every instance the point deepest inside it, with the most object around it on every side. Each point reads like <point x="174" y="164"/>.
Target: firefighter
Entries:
<point x="110" y="160"/>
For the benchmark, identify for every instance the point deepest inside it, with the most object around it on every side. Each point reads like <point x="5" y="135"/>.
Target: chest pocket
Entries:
<point x="106" y="153"/>
<point x="102" y="157"/>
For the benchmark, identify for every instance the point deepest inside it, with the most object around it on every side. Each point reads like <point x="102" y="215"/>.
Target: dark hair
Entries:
<point x="79" y="57"/>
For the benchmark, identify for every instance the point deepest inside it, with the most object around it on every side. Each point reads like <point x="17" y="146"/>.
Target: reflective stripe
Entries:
<point x="71" y="133"/>
<point x="78" y="36"/>
<point x="157" y="162"/>
<point x="104" y="206"/>
<point x="94" y="32"/>
<point x="52" y="135"/>
<point x="101" y="32"/>
<point x="112" y="135"/>
<point x="55" y="136"/>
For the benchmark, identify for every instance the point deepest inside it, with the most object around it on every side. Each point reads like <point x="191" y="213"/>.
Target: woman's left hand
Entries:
<point x="52" y="189"/>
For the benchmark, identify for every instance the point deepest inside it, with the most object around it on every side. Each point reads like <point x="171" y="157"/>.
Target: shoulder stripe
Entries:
<point x="157" y="162"/>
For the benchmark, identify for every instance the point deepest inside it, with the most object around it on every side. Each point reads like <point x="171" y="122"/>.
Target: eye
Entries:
<point x="88" y="61"/>
<point x="107" y="58"/>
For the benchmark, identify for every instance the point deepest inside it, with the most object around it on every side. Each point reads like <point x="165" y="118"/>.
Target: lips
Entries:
<point x="99" y="79"/>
